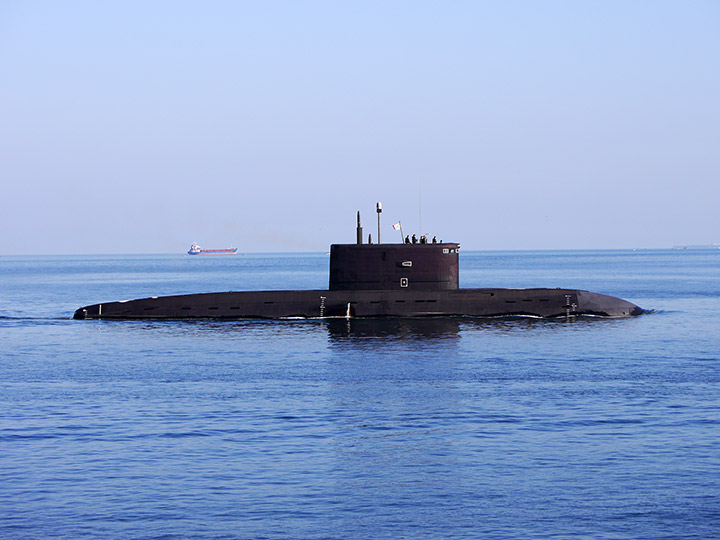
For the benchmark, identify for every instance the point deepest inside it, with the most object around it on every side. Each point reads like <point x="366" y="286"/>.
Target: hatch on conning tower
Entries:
<point x="423" y="267"/>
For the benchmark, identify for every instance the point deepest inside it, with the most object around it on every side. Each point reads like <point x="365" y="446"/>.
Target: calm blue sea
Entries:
<point x="360" y="429"/>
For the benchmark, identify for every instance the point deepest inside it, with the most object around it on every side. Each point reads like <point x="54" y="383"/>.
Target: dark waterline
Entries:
<point x="438" y="428"/>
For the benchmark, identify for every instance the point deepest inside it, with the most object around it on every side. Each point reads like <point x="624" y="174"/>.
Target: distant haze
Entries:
<point x="140" y="127"/>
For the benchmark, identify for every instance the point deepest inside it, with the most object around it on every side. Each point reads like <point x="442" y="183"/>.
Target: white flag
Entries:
<point x="396" y="226"/>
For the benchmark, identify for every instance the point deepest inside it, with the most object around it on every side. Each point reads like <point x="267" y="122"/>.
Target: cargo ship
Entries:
<point x="197" y="250"/>
<point x="375" y="280"/>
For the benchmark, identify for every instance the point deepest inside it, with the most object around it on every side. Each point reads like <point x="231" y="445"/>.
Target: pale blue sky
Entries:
<point x="139" y="127"/>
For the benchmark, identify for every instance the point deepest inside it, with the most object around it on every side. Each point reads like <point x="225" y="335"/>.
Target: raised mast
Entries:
<point x="379" y="213"/>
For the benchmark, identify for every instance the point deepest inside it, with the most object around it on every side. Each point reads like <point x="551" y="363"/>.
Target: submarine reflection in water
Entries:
<point x="423" y="329"/>
<point x="439" y="329"/>
<point x="375" y="280"/>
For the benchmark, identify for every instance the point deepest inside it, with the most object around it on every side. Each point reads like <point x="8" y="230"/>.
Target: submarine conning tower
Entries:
<point x="415" y="267"/>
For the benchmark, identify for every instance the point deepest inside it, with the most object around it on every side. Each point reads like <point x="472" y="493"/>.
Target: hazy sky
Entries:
<point x="140" y="127"/>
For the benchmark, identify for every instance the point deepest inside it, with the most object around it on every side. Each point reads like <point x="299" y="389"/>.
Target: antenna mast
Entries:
<point x="379" y="213"/>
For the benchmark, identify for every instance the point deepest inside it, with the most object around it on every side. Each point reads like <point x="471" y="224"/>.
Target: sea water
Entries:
<point x="360" y="429"/>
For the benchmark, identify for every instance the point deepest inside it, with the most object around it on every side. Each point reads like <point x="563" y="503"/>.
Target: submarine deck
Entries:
<point x="488" y="302"/>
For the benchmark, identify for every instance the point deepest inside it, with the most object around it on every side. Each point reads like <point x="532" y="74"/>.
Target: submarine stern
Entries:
<point x="86" y="312"/>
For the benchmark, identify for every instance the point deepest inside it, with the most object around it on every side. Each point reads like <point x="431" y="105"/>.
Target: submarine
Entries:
<point x="375" y="280"/>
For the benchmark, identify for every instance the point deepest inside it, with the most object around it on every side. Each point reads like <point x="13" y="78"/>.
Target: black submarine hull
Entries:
<point x="543" y="303"/>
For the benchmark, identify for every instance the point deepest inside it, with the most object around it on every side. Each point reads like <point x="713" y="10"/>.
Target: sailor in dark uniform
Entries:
<point x="414" y="239"/>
